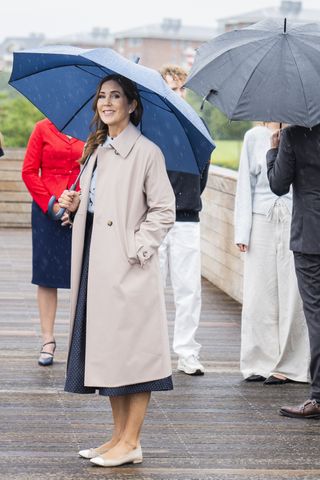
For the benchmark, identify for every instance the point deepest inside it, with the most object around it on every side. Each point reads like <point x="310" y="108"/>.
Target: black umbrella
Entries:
<point x="269" y="71"/>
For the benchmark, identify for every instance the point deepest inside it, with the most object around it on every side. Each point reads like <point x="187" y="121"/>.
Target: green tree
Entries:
<point x="17" y="119"/>
<point x="5" y="87"/>
<point x="219" y="125"/>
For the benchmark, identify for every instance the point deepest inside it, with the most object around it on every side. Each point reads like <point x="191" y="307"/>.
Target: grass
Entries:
<point x="227" y="153"/>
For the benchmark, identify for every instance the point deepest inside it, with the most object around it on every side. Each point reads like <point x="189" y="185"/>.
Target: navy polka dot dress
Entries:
<point x="76" y="361"/>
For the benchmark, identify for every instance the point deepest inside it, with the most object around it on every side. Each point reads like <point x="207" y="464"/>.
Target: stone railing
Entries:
<point x="15" y="201"/>
<point x="221" y="262"/>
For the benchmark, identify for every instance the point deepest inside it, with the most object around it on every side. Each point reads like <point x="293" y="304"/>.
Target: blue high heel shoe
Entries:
<point x="45" y="362"/>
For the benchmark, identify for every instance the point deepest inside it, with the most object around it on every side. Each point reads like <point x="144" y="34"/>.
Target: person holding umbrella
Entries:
<point x="294" y="160"/>
<point x="119" y="340"/>
<point x="50" y="166"/>
<point x="274" y="339"/>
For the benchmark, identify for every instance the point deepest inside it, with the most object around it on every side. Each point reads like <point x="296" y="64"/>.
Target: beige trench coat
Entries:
<point x="127" y="338"/>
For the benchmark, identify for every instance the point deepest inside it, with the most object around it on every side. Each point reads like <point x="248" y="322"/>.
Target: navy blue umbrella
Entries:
<point x="61" y="81"/>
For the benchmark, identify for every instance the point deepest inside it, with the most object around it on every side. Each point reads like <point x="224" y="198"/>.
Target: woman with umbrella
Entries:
<point x="274" y="340"/>
<point x="119" y="342"/>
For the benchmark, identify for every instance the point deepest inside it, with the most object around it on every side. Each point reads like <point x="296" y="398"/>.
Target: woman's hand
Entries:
<point x="242" y="247"/>
<point x="275" y="139"/>
<point x="65" y="220"/>
<point x="69" y="200"/>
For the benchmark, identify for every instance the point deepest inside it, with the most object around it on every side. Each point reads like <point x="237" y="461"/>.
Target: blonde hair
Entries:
<point x="175" y="71"/>
<point x="1" y="140"/>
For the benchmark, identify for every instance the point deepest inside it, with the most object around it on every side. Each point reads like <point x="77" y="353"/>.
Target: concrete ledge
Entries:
<point x="221" y="261"/>
<point x="15" y="200"/>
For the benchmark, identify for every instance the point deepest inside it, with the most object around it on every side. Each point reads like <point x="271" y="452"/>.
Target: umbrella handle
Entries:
<point x="52" y="215"/>
<point x="52" y="201"/>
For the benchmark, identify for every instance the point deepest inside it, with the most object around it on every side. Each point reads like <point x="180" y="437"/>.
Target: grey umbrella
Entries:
<point x="269" y="71"/>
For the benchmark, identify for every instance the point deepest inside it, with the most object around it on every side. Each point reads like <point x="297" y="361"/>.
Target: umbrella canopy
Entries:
<point x="61" y="81"/>
<point x="269" y="71"/>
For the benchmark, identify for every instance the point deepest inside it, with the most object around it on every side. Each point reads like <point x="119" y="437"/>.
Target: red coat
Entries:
<point x="50" y="165"/>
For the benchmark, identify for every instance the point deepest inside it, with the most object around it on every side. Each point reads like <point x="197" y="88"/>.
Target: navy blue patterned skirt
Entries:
<point x="76" y="361"/>
<point x="51" y="251"/>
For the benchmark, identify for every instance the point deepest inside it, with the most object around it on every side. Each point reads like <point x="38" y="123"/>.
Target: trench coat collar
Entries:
<point x="124" y="142"/>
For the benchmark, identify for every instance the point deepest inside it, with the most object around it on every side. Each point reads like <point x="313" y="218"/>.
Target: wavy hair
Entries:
<point x="99" y="129"/>
<point x="175" y="71"/>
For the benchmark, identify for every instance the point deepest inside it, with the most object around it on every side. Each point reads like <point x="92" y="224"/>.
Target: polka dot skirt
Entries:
<point x="76" y="361"/>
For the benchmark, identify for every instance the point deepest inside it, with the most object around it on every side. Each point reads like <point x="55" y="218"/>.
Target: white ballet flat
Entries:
<point x="135" y="456"/>
<point x="89" y="453"/>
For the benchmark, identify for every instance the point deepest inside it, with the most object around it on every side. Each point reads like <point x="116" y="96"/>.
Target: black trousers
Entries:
<point x="308" y="275"/>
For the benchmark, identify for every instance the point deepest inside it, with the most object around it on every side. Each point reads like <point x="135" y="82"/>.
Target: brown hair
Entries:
<point x="175" y="71"/>
<point x="99" y="129"/>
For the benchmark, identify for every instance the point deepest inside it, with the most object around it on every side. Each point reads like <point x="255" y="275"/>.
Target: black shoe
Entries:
<point x="272" y="380"/>
<point x="255" y="378"/>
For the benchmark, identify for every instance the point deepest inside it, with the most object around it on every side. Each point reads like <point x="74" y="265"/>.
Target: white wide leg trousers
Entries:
<point x="274" y="337"/>
<point x="179" y="256"/>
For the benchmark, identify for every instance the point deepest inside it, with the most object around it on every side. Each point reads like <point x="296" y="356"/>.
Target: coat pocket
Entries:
<point x="137" y="255"/>
<point x="132" y="249"/>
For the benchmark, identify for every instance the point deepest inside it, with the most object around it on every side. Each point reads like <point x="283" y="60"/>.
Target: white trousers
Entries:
<point x="179" y="257"/>
<point x="274" y="337"/>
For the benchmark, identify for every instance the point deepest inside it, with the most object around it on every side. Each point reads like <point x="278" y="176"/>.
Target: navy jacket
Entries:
<point x="187" y="189"/>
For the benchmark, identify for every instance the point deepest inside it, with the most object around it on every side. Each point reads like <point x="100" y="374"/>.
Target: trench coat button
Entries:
<point x="109" y="223"/>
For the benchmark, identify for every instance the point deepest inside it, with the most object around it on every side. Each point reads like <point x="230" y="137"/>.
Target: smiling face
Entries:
<point x="113" y="107"/>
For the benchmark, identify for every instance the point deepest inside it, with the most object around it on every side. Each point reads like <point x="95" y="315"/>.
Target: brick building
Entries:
<point x="166" y="42"/>
<point x="96" y="38"/>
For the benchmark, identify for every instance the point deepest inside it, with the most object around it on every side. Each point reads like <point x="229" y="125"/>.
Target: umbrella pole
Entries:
<point x="211" y="92"/>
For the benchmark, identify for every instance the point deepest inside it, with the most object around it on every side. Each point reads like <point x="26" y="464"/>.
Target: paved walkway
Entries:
<point x="211" y="427"/>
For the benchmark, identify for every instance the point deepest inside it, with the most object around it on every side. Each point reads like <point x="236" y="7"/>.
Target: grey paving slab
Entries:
<point x="212" y="427"/>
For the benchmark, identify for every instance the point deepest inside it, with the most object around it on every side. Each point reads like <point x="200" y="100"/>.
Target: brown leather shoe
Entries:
<point x="309" y="409"/>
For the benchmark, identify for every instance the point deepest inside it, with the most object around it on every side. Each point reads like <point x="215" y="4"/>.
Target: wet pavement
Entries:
<point x="210" y="427"/>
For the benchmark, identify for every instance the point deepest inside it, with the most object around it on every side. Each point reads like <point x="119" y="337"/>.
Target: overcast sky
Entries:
<point x="61" y="17"/>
